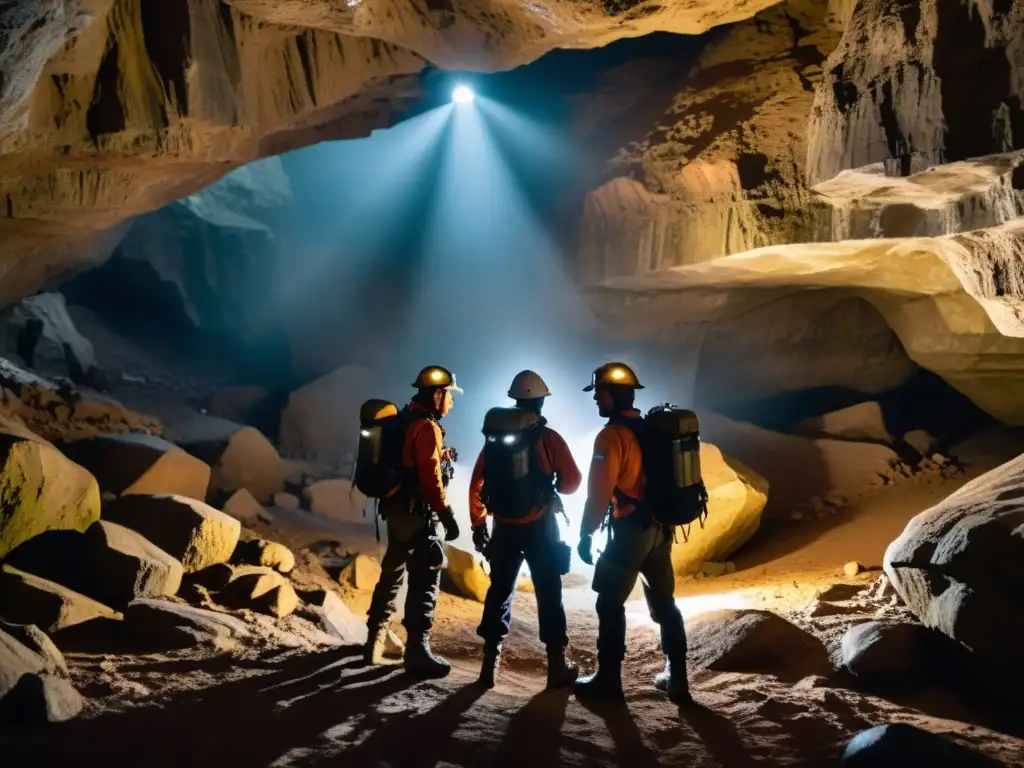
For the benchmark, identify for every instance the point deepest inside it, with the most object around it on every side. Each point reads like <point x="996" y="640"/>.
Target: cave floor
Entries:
<point x="304" y="705"/>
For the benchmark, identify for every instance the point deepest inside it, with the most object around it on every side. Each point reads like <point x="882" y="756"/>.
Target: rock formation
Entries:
<point x="958" y="568"/>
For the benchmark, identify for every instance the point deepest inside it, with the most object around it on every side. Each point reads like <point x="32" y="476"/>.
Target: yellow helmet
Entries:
<point x="434" y="376"/>
<point x="613" y="373"/>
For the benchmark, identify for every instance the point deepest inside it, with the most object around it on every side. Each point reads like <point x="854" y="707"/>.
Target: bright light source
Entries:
<point x="509" y="439"/>
<point x="353" y="3"/>
<point x="463" y="95"/>
<point x="364" y="432"/>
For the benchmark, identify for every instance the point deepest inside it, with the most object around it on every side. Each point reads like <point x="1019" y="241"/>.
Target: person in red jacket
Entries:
<point x="412" y="515"/>
<point x="638" y="545"/>
<point x="530" y="534"/>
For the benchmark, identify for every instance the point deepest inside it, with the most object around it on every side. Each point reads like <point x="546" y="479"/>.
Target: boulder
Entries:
<point x="337" y="500"/>
<point x="140" y="463"/>
<point x="362" y="572"/>
<point x="241" y="457"/>
<point x="336" y="618"/>
<point x="959" y="566"/>
<point x="269" y="554"/>
<point x="754" y="641"/>
<point x="321" y="420"/>
<point x="889" y="654"/>
<point x="188" y="529"/>
<point x="37" y="641"/>
<point x="898" y="745"/>
<point x="109" y="563"/>
<point x="40" y="331"/>
<point x="125" y="565"/>
<point x="167" y="625"/>
<point x="28" y="599"/>
<point x="42" y="490"/>
<point x="921" y="441"/>
<point x="286" y="500"/>
<point x="243" y="507"/>
<point x="467" y="574"/>
<point x="235" y="403"/>
<point x="736" y="497"/>
<point x="863" y="421"/>
<point x="28" y="694"/>
<point x="259" y="589"/>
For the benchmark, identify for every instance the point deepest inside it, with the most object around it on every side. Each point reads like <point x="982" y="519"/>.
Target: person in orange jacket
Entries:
<point x="525" y="528"/>
<point x="412" y="515"/>
<point x="638" y="545"/>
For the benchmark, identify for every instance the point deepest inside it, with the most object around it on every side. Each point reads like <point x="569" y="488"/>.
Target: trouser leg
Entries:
<point x="539" y="548"/>
<point x="506" y="561"/>
<point x="615" y="577"/>
<point x="385" y="593"/>
<point x="425" y="561"/>
<point x="659" y="589"/>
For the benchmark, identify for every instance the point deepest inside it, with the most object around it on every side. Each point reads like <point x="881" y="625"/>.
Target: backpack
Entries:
<point x="513" y="482"/>
<point x="379" y="472"/>
<point x="674" y="493"/>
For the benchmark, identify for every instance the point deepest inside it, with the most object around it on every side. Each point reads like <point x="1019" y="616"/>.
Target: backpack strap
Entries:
<point x="638" y="427"/>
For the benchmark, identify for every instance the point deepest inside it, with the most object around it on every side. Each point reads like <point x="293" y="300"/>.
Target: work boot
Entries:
<point x="420" y="661"/>
<point x="561" y="671"/>
<point x="489" y="667"/>
<point x="605" y="684"/>
<point x="376" y="642"/>
<point x="673" y="683"/>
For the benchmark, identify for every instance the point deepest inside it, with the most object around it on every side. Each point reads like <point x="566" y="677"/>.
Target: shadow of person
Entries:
<point x="630" y="749"/>
<point x="534" y="735"/>
<point x="717" y="733"/>
<point x="412" y="739"/>
<point x="251" y="720"/>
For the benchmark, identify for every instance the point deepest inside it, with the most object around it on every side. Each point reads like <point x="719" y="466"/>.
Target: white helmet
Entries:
<point x="527" y="385"/>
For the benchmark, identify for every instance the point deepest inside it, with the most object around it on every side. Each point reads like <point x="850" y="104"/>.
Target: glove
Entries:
<point x="451" y="528"/>
<point x="584" y="549"/>
<point x="481" y="538"/>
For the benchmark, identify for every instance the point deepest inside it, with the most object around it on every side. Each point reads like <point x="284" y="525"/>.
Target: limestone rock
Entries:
<point x="864" y="421"/>
<point x="241" y="457"/>
<point x="888" y="654"/>
<point x="852" y="568"/>
<point x="336" y="618"/>
<point x="337" y="500"/>
<point x="286" y="500"/>
<point x="269" y="554"/>
<point x="40" y="332"/>
<point x="363" y="572"/>
<point x="195" y="533"/>
<point x="321" y="421"/>
<point x="126" y="566"/>
<point x="736" y="498"/>
<point x="921" y="441"/>
<point x="44" y="491"/>
<point x="467" y="574"/>
<point x="109" y="563"/>
<point x="959" y="566"/>
<point x="167" y="625"/>
<point x="897" y="745"/>
<point x="243" y="507"/>
<point x="830" y="469"/>
<point x="897" y="87"/>
<point x="260" y="589"/>
<point x="28" y="695"/>
<point x="28" y="599"/>
<point x="140" y="463"/>
<point x="37" y="641"/>
<point x="754" y="641"/>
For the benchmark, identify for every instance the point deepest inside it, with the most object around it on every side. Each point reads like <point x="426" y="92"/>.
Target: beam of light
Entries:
<point x="463" y="94"/>
<point x="638" y="614"/>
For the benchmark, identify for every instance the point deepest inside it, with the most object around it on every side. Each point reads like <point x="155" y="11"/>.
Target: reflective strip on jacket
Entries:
<point x="553" y="457"/>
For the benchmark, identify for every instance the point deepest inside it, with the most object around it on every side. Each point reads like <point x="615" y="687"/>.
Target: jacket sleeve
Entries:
<point x="477" y="510"/>
<point x="604" y="473"/>
<point x="567" y="475"/>
<point x="426" y="452"/>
